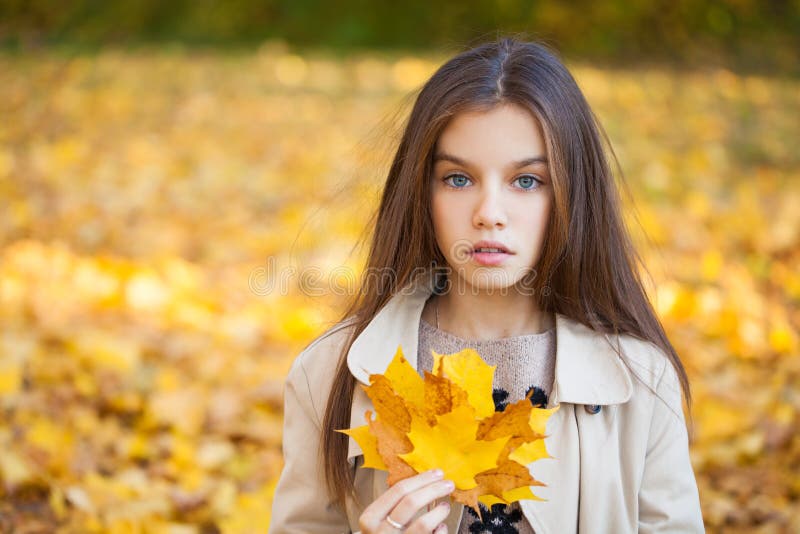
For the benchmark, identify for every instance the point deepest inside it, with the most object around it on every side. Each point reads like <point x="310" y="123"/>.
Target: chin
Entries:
<point x="488" y="280"/>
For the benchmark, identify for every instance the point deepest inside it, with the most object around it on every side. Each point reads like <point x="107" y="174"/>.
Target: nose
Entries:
<point x="490" y="211"/>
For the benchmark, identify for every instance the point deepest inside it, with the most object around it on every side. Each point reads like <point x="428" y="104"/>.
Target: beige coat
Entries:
<point x="622" y="468"/>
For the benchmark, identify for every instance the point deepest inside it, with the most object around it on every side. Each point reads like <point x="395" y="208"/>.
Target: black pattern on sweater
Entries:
<point x="500" y="397"/>
<point x="538" y="398"/>
<point x="497" y="520"/>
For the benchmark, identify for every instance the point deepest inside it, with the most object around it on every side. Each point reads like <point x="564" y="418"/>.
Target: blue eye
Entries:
<point x="458" y="180"/>
<point x="528" y="182"/>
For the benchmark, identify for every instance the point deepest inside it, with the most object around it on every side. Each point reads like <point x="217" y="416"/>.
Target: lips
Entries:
<point x="490" y="247"/>
<point x="490" y="253"/>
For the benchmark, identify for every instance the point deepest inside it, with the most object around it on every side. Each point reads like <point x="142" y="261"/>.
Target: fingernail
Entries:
<point x="450" y="485"/>
<point x="437" y="473"/>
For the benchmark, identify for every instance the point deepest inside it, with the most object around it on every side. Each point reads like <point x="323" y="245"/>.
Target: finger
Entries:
<point x="374" y="514"/>
<point x="404" y="487"/>
<point x="432" y="521"/>
<point x="413" y="502"/>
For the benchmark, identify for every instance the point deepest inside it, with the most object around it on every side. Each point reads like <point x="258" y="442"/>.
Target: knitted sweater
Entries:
<point x="524" y="363"/>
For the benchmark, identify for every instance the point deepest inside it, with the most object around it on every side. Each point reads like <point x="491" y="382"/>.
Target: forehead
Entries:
<point x="504" y="131"/>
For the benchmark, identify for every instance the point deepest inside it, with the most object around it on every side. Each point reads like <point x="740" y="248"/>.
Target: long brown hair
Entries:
<point x="588" y="265"/>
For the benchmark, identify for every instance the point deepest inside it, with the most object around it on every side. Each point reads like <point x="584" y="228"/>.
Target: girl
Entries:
<point x="499" y="228"/>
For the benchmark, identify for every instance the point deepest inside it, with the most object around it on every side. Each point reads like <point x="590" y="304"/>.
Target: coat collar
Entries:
<point x="588" y="369"/>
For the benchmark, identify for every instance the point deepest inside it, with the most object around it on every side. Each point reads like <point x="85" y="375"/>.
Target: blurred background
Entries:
<point x="182" y="190"/>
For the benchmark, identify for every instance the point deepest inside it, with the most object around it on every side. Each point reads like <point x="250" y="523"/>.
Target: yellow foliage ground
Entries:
<point x="154" y="204"/>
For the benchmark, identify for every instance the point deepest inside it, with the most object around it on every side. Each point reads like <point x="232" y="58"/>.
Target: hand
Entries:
<point x="402" y="501"/>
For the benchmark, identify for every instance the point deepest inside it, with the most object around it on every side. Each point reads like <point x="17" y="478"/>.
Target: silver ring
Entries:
<point x="394" y="523"/>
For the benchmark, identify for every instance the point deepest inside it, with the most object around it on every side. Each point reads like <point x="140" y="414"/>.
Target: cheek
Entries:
<point x="535" y="217"/>
<point x="450" y="224"/>
<point x="538" y="217"/>
<point x="441" y="219"/>
<point x="442" y="209"/>
<point x="530" y="206"/>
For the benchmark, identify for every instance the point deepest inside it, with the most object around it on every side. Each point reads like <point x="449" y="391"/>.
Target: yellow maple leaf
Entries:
<point x="529" y="452"/>
<point x="538" y="418"/>
<point x="368" y="444"/>
<point x="451" y="446"/>
<point x="405" y="380"/>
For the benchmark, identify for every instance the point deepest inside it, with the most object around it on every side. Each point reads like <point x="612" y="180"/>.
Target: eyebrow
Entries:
<point x="444" y="156"/>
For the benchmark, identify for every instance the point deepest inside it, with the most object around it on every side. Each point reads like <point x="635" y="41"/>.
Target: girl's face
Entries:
<point x="491" y="190"/>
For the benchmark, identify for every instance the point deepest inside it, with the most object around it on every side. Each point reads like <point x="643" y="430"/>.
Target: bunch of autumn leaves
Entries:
<point x="448" y="421"/>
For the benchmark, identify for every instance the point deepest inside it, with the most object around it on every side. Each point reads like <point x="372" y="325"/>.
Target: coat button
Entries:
<point x="593" y="408"/>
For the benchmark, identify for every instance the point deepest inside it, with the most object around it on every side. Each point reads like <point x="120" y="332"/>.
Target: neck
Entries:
<point x="490" y="316"/>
